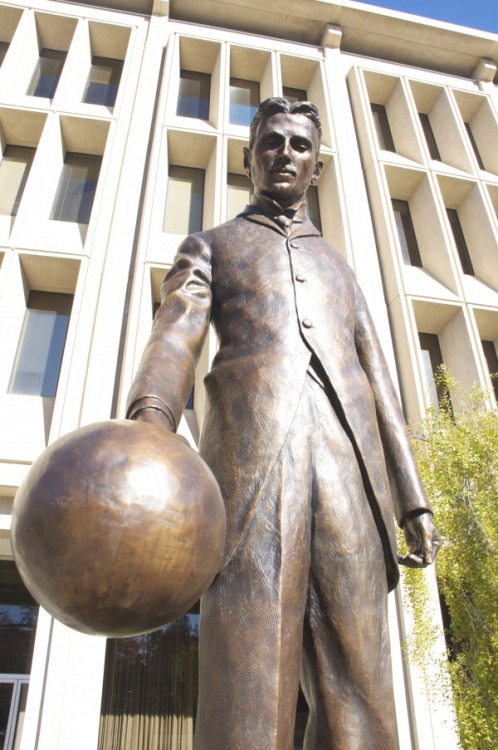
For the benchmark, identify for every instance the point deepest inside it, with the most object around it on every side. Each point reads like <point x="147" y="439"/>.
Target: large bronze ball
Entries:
<point x="118" y="528"/>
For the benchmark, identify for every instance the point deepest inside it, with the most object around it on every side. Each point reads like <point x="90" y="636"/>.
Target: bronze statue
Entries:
<point x="302" y="420"/>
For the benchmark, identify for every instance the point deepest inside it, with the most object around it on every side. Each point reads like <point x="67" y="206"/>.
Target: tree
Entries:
<point x="457" y="450"/>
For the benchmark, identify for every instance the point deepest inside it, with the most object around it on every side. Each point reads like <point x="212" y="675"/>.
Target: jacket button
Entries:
<point x="307" y="323"/>
<point x="294" y="245"/>
<point x="300" y="278"/>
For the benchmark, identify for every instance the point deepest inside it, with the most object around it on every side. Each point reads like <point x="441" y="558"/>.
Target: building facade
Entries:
<point x="121" y="128"/>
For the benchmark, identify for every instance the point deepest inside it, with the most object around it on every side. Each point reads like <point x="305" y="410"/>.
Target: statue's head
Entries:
<point x="282" y="158"/>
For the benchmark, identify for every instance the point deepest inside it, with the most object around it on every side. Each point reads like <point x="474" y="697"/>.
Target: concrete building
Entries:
<point x="121" y="127"/>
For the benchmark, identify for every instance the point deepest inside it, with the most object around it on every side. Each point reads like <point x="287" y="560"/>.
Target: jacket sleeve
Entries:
<point x="407" y="490"/>
<point x="166" y="372"/>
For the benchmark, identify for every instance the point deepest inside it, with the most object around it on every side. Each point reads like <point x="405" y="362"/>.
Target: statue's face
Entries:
<point x="283" y="160"/>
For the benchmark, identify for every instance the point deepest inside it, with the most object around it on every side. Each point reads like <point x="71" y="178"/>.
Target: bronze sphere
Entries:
<point x="118" y="528"/>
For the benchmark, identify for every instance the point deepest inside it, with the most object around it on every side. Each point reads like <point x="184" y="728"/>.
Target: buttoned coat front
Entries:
<point x="275" y="300"/>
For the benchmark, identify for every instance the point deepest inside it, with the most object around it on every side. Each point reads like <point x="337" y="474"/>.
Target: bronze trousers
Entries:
<point x="303" y="600"/>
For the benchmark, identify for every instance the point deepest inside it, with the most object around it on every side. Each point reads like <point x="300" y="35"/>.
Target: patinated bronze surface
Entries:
<point x="302" y="426"/>
<point x="118" y="528"/>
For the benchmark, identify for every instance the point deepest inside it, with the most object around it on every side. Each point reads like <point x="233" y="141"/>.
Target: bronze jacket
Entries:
<point x="274" y="301"/>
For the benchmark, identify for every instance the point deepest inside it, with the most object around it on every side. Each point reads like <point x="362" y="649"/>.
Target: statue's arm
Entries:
<point x="411" y="506"/>
<point x="166" y="372"/>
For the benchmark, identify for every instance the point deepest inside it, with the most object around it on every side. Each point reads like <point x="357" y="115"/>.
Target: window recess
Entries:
<point x="194" y="95"/>
<point x="184" y="201"/>
<point x="460" y="243"/>
<point x="76" y="189"/>
<point x="244" y="101"/>
<point x="382" y="128"/>
<point x="14" y="170"/>
<point x="239" y="191"/>
<point x="429" y="136"/>
<point x="4" y="46"/>
<point x="41" y="345"/>
<point x="431" y="361"/>
<point x="406" y="233"/>
<point x="489" y="350"/>
<point x="294" y="95"/>
<point x="103" y="81"/>
<point x="474" y="145"/>
<point x="47" y="73"/>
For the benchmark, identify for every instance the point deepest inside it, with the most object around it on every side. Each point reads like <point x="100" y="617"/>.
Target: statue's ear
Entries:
<point x="317" y="172"/>
<point x="247" y="162"/>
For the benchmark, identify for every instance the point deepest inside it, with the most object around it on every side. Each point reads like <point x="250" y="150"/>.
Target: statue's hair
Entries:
<point x="278" y="105"/>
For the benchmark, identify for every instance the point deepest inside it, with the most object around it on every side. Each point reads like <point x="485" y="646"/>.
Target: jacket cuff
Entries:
<point x="151" y="402"/>
<point x="414" y="514"/>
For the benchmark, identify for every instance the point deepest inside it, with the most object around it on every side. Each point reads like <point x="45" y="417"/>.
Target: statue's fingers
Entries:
<point x="412" y="560"/>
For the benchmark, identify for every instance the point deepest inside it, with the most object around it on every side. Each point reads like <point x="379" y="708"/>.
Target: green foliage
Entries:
<point x="457" y="451"/>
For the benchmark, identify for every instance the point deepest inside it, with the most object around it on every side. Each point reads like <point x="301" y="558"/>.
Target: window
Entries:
<point x="149" y="698"/>
<point x="489" y="350"/>
<point x="431" y="361"/>
<point x="77" y="186"/>
<point x="103" y="81"/>
<point x="41" y="345"/>
<point x="429" y="136"/>
<point x="185" y="199"/>
<point x="474" y="145"/>
<point x="384" y="135"/>
<point x="239" y="191"/>
<point x="193" y="98"/>
<point x="461" y="245"/>
<point x="18" y="618"/>
<point x="4" y="46"/>
<point x="14" y="171"/>
<point x="314" y="206"/>
<point x="294" y="95"/>
<point x="244" y="101"/>
<point x="406" y="233"/>
<point x="189" y="404"/>
<point x="47" y="73"/>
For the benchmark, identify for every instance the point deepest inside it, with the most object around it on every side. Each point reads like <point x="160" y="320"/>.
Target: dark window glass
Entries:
<point x="406" y="233"/>
<point x="150" y="688"/>
<point x="489" y="350"/>
<point x="185" y="199"/>
<point x="4" y="46"/>
<point x="461" y="245"/>
<point x="431" y="360"/>
<point x="190" y="399"/>
<point x="14" y="171"/>
<point x="193" y="98"/>
<point x="18" y="617"/>
<point x="47" y="73"/>
<point x="77" y="186"/>
<point x="429" y="136"/>
<point x="314" y="206"/>
<point x="381" y="122"/>
<point x="294" y="95"/>
<point x="244" y="101"/>
<point x="41" y="345"/>
<point x="103" y="81"/>
<point x="474" y="145"/>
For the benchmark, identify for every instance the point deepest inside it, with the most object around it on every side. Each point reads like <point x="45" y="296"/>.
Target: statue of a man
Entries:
<point x="302" y="424"/>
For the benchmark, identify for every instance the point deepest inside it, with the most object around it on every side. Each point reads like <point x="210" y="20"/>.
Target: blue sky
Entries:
<point x="478" y="14"/>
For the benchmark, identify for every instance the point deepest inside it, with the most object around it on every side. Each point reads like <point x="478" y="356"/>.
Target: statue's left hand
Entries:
<point x="423" y="540"/>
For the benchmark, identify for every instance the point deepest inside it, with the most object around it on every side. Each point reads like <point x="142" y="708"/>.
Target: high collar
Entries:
<point x="297" y="213"/>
